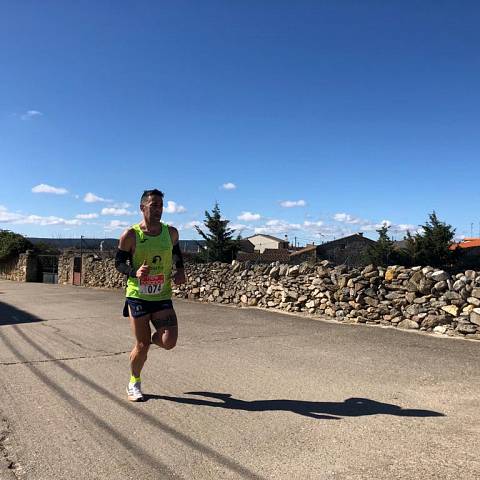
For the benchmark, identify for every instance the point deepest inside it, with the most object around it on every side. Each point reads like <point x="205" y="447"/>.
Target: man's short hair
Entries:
<point x="148" y="193"/>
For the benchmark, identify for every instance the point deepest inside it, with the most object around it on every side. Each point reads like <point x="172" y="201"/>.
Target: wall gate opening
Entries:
<point x="77" y="271"/>
<point x="47" y="271"/>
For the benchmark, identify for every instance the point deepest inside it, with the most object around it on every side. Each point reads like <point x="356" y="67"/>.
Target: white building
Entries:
<point x="262" y="242"/>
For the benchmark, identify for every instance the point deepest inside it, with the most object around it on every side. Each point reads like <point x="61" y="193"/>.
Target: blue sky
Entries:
<point x="314" y="119"/>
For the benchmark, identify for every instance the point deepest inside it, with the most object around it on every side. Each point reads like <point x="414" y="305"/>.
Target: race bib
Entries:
<point x="152" y="284"/>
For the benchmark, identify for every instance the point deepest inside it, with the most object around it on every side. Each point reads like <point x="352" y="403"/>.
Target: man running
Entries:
<point x="145" y="254"/>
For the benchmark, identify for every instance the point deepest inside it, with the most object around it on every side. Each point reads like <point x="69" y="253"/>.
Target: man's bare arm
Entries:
<point x="127" y="241"/>
<point x="124" y="256"/>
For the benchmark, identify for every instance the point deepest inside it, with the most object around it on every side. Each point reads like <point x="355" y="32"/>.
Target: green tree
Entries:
<point x="433" y="245"/>
<point x="220" y="244"/>
<point x="383" y="252"/>
<point x="12" y="244"/>
<point x="46" y="249"/>
<point x="409" y="253"/>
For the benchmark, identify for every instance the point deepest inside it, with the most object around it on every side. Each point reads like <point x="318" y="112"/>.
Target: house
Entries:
<point x="262" y="248"/>
<point x="246" y="246"/>
<point x="262" y="242"/>
<point x="469" y="252"/>
<point x="347" y="250"/>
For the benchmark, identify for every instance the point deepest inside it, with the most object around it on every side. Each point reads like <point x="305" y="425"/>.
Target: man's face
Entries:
<point x="152" y="208"/>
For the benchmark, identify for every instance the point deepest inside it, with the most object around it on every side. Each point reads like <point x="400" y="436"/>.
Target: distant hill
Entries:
<point x="77" y="243"/>
<point x="191" y="246"/>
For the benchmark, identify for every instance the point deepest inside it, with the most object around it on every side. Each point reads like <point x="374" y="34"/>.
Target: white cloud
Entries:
<point x="121" y="205"/>
<point x="229" y="186"/>
<point x="317" y="231"/>
<point x="86" y="216"/>
<point x="191" y="225"/>
<point x="403" y="227"/>
<point x="307" y="224"/>
<point x="347" y="218"/>
<point x="277" y="226"/>
<point x="116" y="225"/>
<point x="30" y="114"/>
<point x="249" y="217"/>
<point x="369" y="226"/>
<point x="8" y="217"/>
<point x="173" y="207"/>
<point x="293" y="203"/>
<point x="116" y="212"/>
<point x="239" y="226"/>
<point x="92" y="198"/>
<point x="20" y="219"/>
<point x="329" y="232"/>
<point x="43" y="188"/>
<point x="50" y="220"/>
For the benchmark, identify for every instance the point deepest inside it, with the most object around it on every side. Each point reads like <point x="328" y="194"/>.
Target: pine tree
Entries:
<point x="409" y="253"/>
<point x="433" y="245"/>
<point x="383" y="252"/>
<point x="220" y="244"/>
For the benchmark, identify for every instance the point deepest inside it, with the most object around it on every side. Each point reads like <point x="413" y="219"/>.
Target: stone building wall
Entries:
<point x="20" y="269"/>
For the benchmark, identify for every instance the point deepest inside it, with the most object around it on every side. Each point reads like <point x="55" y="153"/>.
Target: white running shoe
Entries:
<point x="134" y="392"/>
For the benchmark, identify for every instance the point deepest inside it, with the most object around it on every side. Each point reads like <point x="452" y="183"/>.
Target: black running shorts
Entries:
<point x="139" y="307"/>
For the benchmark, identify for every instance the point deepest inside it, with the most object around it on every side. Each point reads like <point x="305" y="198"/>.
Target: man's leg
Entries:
<point x="141" y="331"/>
<point x="165" y="323"/>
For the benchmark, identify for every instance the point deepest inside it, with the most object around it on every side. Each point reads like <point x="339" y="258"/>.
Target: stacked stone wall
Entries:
<point x="100" y="272"/>
<point x="20" y="269"/>
<point x="13" y="269"/>
<point x="416" y="298"/>
<point x="65" y="268"/>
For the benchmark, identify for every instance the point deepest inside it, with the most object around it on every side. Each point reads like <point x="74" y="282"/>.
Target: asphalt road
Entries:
<point x="246" y="394"/>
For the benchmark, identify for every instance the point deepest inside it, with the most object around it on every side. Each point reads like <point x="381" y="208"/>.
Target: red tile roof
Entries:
<point x="466" y="243"/>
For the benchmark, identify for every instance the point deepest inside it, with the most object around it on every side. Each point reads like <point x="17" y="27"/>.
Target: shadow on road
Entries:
<point x="351" y="407"/>
<point x="10" y="315"/>
<point x="89" y="414"/>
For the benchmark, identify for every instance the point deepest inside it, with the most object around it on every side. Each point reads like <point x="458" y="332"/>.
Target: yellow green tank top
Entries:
<point x="156" y="252"/>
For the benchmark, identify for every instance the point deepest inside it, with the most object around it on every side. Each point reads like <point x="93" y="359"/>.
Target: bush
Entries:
<point x="12" y="244"/>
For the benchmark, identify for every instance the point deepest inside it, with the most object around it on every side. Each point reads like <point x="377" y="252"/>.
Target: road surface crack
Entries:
<point x="63" y="359"/>
<point x="78" y="344"/>
<point x="246" y="337"/>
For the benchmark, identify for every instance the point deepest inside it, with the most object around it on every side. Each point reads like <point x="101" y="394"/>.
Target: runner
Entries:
<point x="145" y="254"/>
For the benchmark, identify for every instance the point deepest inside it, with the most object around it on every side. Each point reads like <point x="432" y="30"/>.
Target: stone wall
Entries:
<point x="417" y="298"/>
<point x="20" y="269"/>
<point x="101" y="272"/>
<point x="65" y="268"/>
<point x="98" y="270"/>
